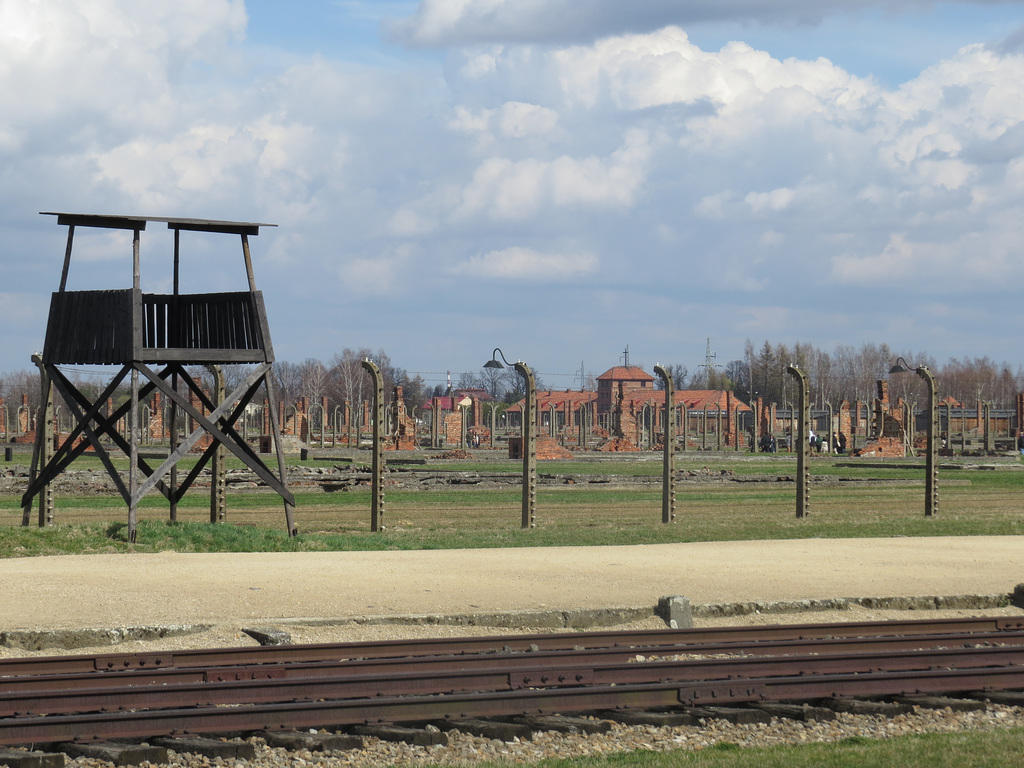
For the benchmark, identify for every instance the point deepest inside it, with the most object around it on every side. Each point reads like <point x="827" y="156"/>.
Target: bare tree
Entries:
<point x="289" y="381"/>
<point x="679" y="374"/>
<point x="314" y="379"/>
<point x="349" y="377"/>
<point x="470" y="380"/>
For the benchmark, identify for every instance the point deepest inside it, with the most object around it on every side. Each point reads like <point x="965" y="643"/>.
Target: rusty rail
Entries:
<point x="749" y="639"/>
<point x="293" y="692"/>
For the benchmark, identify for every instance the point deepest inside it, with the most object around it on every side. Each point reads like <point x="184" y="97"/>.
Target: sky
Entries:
<point x="564" y="180"/>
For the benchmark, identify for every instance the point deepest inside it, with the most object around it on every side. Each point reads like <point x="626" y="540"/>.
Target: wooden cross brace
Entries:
<point x="219" y="424"/>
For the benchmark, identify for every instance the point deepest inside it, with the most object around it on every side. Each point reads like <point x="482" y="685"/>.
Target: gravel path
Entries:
<point x="173" y="588"/>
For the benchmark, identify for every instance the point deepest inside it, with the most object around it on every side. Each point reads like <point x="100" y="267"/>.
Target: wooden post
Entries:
<point x="42" y="451"/>
<point x="218" y="473"/>
<point x="67" y="258"/>
<point x="173" y="446"/>
<point x="133" y="456"/>
<point x="275" y="432"/>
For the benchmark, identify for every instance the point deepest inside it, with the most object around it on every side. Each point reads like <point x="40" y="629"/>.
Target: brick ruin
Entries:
<point x="626" y="413"/>
<point x="890" y="426"/>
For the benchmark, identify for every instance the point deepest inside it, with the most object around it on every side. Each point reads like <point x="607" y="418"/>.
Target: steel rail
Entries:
<point x="650" y="639"/>
<point x="173" y="675"/>
<point x="338" y="713"/>
<point x="481" y="673"/>
<point x="874" y="653"/>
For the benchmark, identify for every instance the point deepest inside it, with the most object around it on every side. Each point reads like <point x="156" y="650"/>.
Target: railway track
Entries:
<point x="280" y="689"/>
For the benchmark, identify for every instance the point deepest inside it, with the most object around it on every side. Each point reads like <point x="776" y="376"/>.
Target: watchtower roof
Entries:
<point x="139" y="222"/>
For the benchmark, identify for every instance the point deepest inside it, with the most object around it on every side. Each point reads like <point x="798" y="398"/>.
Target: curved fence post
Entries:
<point x="377" y="482"/>
<point x="668" y="473"/>
<point x="529" y="446"/>
<point x="803" y="447"/>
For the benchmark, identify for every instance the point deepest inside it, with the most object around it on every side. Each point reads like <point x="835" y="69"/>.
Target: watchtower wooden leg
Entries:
<point x="44" y="427"/>
<point x="42" y="450"/>
<point x="173" y="445"/>
<point x="275" y="433"/>
<point x="218" y="498"/>
<point x="133" y="468"/>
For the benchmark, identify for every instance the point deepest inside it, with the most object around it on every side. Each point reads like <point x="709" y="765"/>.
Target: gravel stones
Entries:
<point x="463" y="748"/>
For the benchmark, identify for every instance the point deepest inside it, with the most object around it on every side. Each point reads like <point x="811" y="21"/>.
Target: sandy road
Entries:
<point x="172" y="588"/>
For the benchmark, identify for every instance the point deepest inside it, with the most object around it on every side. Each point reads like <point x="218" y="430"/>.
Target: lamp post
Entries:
<point x="931" y="490"/>
<point x="529" y="438"/>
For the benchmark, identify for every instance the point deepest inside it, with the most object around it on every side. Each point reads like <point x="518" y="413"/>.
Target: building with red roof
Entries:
<point x="626" y="412"/>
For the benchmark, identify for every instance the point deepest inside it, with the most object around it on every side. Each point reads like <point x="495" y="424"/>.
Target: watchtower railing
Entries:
<point x="116" y="327"/>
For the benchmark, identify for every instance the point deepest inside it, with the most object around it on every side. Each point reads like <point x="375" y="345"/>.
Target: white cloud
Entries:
<point x="480" y="64"/>
<point x="967" y="262"/>
<point x="713" y="206"/>
<point x="519" y="263"/>
<point x="61" y="60"/>
<point x="507" y="189"/>
<point x="773" y="202"/>
<point x="468" y="121"/>
<point x="518" y="120"/>
<point x="513" y="120"/>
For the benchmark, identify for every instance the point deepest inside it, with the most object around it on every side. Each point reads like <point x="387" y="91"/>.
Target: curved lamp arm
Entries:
<point x="494" y="362"/>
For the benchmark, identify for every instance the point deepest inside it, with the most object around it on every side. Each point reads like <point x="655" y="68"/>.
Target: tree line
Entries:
<point x="851" y="373"/>
<point x="846" y="372"/>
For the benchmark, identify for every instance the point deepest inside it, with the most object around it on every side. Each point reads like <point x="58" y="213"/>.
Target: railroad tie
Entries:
<point x="1006" y="698"/>
<point x="212" y="748"/>
<point x="643" y="717"/>
<point x="805" y="713"/>
<point x="116" y="752"/>
<point x="487" y="729"/>
<point x="942" y="702"/>
<point x="418" y="737"/>
<point x="314" y="742"/>
<point x="16" y="758"/>
<point x="736" y="715"/>
<point x="866" y="706"/>
<point x="563" y="724"/>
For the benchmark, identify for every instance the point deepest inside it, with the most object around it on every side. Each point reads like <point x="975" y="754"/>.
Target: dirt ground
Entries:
<point x="336" y="596"/>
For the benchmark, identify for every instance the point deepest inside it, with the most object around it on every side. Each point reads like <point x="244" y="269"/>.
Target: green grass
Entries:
<point x="994" y="749"/>
<point x="624" y="511"/>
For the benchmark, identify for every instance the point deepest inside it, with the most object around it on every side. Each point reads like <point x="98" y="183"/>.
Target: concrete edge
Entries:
<point x="606" y="617"/>
<point x="41" y="639"/>
<point x="584" y="618"/>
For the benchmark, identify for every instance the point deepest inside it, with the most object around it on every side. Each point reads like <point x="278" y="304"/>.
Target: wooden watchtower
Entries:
<point x="152" y="338"/>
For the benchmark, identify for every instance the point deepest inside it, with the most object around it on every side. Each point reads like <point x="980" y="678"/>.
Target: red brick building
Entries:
<point x="626" y="413"/>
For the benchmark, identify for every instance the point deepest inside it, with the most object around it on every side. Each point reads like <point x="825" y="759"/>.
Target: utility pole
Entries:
<point x="709" y="364"/>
